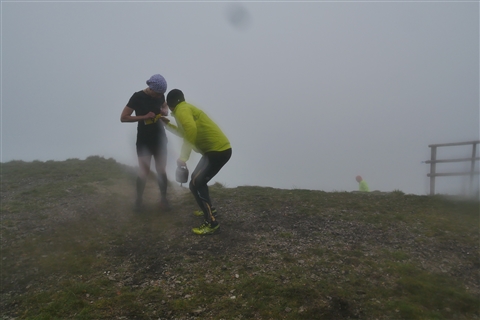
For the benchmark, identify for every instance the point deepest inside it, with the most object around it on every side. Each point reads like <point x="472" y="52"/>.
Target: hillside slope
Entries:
<point x="72" y="248"/>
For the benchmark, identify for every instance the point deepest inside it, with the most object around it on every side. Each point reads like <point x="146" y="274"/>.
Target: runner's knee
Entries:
<point x="192" y="187"/>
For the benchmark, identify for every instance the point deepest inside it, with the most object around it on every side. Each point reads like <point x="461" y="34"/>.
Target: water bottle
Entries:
<point x="181" y="175"/>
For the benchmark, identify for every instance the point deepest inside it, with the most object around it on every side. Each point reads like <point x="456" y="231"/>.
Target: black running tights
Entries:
<point x="208" y="166"/>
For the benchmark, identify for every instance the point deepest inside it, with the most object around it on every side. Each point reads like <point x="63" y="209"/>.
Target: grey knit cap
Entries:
<point x="157" y="83"/>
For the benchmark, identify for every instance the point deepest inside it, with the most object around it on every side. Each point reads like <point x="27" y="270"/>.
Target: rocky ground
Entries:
<point x="254" y="239"/>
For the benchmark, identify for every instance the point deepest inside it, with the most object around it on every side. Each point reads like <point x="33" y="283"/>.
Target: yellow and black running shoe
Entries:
<point x="206" y="228"/>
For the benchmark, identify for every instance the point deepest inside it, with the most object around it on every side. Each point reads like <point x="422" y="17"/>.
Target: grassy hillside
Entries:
<point x="72" y="248"/>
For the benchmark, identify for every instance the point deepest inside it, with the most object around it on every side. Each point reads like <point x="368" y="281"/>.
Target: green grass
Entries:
<point x="48" y="182"/>
<point x="353" y="256"/>
<point x="421" y="295"/>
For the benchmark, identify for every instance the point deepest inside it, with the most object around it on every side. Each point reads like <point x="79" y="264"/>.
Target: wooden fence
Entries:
<point x="433" y="163"/>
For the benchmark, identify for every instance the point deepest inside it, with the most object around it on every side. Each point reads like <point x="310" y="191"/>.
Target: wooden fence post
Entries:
<point x="433" y="163"/>
<point x="472" y="167"/>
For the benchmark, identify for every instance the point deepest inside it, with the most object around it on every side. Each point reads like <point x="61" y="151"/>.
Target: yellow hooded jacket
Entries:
<point x="363" y="186"/>
<point x="198" y="131"/>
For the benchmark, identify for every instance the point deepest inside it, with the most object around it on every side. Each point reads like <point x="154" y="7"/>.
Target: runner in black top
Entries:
<point x="149" y="105"/>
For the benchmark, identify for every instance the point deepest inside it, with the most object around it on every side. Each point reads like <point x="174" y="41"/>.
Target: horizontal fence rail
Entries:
<point x="433" y="162"/>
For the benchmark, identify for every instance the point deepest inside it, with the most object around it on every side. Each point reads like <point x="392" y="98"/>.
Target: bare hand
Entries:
<point x="150" y="115"/>
<point x="164" y="109"/>
<point x="165" y="120"/>
<point x="181" y="163"/>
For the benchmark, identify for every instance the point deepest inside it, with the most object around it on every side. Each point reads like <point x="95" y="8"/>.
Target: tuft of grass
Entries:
<point x="217" y="185"/>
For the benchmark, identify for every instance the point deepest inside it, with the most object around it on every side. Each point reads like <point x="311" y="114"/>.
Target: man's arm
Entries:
<point x="126" y="115"/>
<point x="185" y="117"/>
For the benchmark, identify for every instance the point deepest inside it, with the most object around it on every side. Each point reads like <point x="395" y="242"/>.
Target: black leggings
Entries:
<point x="208" y="166"/>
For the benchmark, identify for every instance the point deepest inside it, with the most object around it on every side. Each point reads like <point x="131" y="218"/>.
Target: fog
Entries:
<point x="310" y="94"/>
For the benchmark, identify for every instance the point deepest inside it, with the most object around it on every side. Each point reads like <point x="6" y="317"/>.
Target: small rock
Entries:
<point x="198" y="311"/>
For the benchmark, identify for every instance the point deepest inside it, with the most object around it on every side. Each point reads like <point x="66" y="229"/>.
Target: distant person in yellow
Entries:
<point x="362" y="184"/>
<point x="203" y="135"/>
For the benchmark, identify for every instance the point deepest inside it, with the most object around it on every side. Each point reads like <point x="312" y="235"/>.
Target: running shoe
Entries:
<point x="206" y="228"/>
<point x="199" y="213"/>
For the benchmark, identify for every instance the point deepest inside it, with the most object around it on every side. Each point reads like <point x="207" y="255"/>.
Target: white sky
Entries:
<point x="310" y="94"/>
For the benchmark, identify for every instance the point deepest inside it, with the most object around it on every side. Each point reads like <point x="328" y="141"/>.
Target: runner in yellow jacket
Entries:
<point x="202" y="134"/>
<point x="362" y="184"/>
